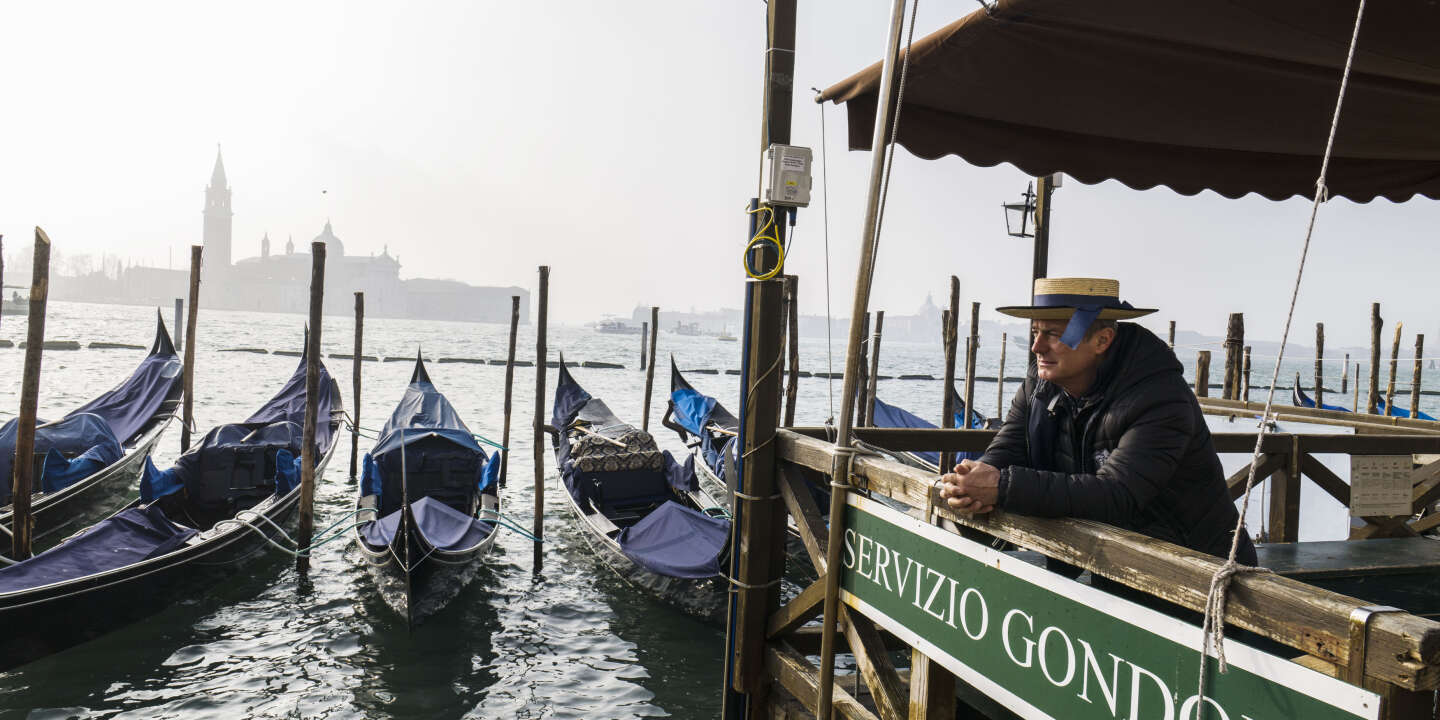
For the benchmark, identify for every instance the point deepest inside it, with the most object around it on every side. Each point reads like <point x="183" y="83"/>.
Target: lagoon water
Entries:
<point x="570" y="642"/>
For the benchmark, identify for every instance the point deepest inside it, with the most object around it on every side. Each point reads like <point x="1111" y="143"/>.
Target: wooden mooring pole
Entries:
<point x="179" y="315"/>
<point x="187" y="412"/>
<point x="862" y="377"/>
<point x="1394" y="365"/>
<point x="1245" y="387"/>
<point x="650" y="369"/>
<point x="1376" y="322"/>
<point x="1355" y="404"/>
<point x="1415" y="379"/>
<point x="1171" y="339"/>
<point x="355" y="385"/>
<point x="644" y="334"/>
<point x="509" y="387"/>
<point x="1319" y="365"/>
<point x="1345" y="375"/>
<point x="874" y="367"/>
<point x="792" y="347"/>
<point x="1000" y="378"/>
<point x="537" y="528"/>
<point x="308" y="458"/>
<point x="950" y="340"/>
<point x="972" y="348"/>
<point x="1202" y="373"/>
<point x="1234" y="354"/>
<point x="22" y="524"/>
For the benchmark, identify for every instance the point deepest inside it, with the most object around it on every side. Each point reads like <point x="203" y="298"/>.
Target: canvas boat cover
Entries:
<point x="676" y="541"/>
<point x="1398" y="411"/>
<point x="276" y="431"/>
<point x="439" y="525"/>
<point x="91" y="437"/>
<point x="891" y="416"/>
<point x="1230" y="96"/>
<point x="1300" y="399"/>
<point x="128" y="537"/>
<point x="697" y="413"/>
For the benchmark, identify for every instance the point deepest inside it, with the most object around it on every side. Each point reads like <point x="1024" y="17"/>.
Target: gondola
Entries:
<point x="642" y="513"/>
<point x="93" y="455"/>
<point x="222" y="503"/>
<point x="428" y="503"/>
<point x="1300" y="399"/>
<point x="893" y="416"/>
<point x="707" y="428"/>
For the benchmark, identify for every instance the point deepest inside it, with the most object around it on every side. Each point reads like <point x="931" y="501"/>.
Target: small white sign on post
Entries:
<point x="1380" y="485"/>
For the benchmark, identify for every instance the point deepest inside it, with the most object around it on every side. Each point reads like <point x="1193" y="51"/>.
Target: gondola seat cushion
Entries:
<point x="637" y="451"/>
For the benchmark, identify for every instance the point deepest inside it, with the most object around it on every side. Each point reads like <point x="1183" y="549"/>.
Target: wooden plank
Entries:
<point x="1382" y="527"/>
<point x="932" y="689"/>
<point x="912" y="439"/>
<point x="800" y="679"/>
<point x="1220" y="406"/>
<point x="1268" y="465"/>
<point x="1325" y="479"/>
<point x="802" y="609"/>
<point x="1427" y="485"/>
<point x="1341" y="558"/>
<point x="1285" y="497"/>
<point x="1405" y="649"/>
<point x="892" y="698"/>
<point x="808" y="520"/>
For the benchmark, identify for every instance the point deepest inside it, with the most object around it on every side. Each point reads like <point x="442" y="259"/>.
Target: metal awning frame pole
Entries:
<point x="840" y="473"/>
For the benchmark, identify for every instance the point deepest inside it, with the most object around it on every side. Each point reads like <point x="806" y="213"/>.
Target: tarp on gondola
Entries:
<point x="91" y="437"/>
<point x="272" y="438"/>
<point x="892" y="416"/>
<point x="441" y="526"/>
<point x="1230" y="96"/>
<point x="697" y="413"/>
<point x="130" y="536"/>
<point x="677" y="542"/>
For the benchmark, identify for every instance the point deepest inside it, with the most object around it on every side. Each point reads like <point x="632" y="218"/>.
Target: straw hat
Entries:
<point x="1059" y="298"/>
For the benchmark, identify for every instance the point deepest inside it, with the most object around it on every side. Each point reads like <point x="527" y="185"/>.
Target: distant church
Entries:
<point x="274" y="282"/>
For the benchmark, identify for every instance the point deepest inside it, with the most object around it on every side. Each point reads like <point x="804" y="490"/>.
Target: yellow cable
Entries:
<point x="761" y="236"/>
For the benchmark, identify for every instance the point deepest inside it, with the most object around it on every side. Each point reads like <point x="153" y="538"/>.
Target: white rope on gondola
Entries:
<point x="1213" y="630"/>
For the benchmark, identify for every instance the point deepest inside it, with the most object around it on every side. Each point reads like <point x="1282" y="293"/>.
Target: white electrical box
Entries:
<point x="787" y="176"/>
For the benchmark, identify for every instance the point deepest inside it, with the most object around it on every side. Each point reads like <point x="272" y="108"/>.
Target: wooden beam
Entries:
<point x="802" y="609"/>
<point x="808" y="520"/>
<point x="1225" y="442"/>
<point x="800" y="679"/>
<point x="1325" y="479"/>
<point x="1426" y="481"/>
<point x="932" y="689"/>
<point x="1376" y="322"/>
<point x="1268" y="465"/>
<point x="1404" y="649"/>
<point x="1220" y="406"/>
<point x="1285" y="497"/>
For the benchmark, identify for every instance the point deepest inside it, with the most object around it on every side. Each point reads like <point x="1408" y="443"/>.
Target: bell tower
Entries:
<point x="217" y="217"/>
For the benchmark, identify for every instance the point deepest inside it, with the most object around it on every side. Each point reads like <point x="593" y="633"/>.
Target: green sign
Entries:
<point x="1048" y="647"/>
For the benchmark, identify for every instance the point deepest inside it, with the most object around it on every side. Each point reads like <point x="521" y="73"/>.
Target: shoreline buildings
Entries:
<point x="280" y="282"/>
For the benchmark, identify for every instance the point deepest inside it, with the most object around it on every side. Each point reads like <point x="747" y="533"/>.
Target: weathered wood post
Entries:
<point x="308" y="458"/>
<point x="1202" y="373"/>
<point x="538" y="524"/>
<point x="1171" y="339"/>
<point x="644" y="333"/>
<point x="1345" y="375"/>
<point x="874" y="367"/>
<point x="187" y="413"/>
<point x="179" y="315"/>
<point x="972" y="348"/>
<point x="950" y="339"/>
<point x="1415" y="379"/>
<point x="1319" y="366"/>
<point x="1394" y="365"/>
<point x="509" y="386"/>
<point x="862" y="380"/>
<point x="22" y="525"/>
<point x="1245" y="388"/>
<point x="650" y="369"/>
<point x="1355" y="404"/>
<point x="355" y="385"/>
<point x="1000" y="378"/>
<point x="792" y="347"/>
<point x="1372" y="404"/>
<point x="1234" y="353"/>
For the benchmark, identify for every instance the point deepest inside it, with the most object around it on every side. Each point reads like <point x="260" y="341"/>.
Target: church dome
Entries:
<point x="333" y="246"/>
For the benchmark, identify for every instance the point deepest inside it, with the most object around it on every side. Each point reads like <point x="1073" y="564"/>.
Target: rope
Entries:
<point x="825" y="195"/>
<point x="1213" y="631"/>
<point x="890" y="151"/>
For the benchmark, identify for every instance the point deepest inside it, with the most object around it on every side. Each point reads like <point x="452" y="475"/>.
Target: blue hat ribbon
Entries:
<point x="1086" y="311"/>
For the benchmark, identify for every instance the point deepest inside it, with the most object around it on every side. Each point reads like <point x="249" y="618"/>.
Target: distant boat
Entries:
<point x="16" y="304"/>
<point x="617" y="327"/>
<point x="688" y="329"/>
<point x="725" y="335"/>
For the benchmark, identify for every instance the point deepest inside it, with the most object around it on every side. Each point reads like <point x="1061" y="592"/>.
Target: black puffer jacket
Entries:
<point x="1134" y="452"/>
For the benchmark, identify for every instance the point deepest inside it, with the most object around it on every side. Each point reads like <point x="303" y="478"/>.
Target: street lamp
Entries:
<point x="1019" y="214"/>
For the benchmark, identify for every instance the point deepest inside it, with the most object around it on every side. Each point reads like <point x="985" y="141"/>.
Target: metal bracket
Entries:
<point x="1359" y="635"/>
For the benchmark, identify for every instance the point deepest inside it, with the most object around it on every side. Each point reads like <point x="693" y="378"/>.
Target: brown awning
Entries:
<point x="1231" y="96"/>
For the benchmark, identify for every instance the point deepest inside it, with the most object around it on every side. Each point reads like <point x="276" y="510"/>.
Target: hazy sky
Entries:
<point x="616" y="142"/>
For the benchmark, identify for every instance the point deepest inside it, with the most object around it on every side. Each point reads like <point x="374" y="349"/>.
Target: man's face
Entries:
<point x="1074" y="370"/>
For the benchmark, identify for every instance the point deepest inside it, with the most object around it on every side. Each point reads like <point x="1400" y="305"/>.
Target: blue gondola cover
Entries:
<point x="676" y="541"/>
<point x="692" y="409"/>
<point x="84" y="437"/>
<point x="440" y="525"/>
<point x="890" y="416"/>
<point x="128" y="537"/>
<point x="132" y="403"/>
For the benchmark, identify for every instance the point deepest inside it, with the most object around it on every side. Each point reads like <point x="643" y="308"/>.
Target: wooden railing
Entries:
<point x="1403" y="657"/>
